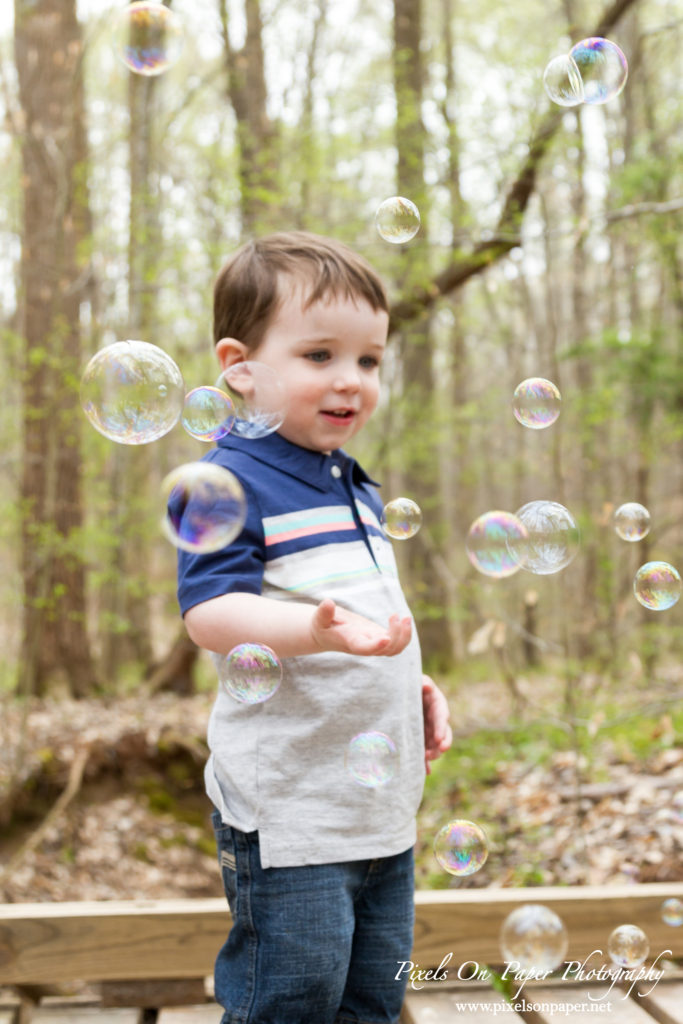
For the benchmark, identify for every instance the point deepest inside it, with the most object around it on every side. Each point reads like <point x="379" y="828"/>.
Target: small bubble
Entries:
<point x="534" y="937"/>
<point x="250" y="673"/>
<point x="401" y="518"/>
<point x="657" y="586"/>
<point x="461" y="847"/>
<point x="372" y="759"/>
<point x="628" y="945"/>
<point x="632" y="521"/>
<point x="397" y="220"/>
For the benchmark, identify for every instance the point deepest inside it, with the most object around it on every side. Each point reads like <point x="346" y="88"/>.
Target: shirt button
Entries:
<point x="336" y="471"/>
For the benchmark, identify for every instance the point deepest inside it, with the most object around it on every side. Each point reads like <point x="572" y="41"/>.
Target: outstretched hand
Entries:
<point x="437" y="730"/>
<point x="337" y="629"/>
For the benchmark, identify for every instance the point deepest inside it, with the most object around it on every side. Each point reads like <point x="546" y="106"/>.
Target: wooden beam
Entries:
<point x="46" y="943"/>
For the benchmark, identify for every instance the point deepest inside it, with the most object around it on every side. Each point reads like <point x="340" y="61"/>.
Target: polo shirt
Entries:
<point x="312" y="531"/>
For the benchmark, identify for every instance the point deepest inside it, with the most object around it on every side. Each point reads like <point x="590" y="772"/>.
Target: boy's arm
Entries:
<point x="291" y="629"/>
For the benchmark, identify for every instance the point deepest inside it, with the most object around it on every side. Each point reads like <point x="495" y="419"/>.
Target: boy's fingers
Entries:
<point x="324" y="613"/>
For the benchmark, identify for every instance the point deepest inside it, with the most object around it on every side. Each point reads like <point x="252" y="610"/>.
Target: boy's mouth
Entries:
<point x="338" y="415"/>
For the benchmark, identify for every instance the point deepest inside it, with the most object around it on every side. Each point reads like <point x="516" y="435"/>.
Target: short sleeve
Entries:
<point x="238" y="567"/>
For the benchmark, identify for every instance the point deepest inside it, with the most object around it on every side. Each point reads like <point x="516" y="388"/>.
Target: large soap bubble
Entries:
<point x="551" y="541"/>
<point x="258" y="396"/>
<point x="461" y="847"/>
<point x="132" y="392"/>
<point x="534" y="937"/>
<point x="206" y="507"/>
<point x="250" y="673"/>
<point x="208" y="414"/>
<point x="490" y="541"/>
<point x="536" y="403"/>
<point x="657" y="586"/>
<point x="628" y="946"/>
<point x="603" y="68"/>
<point x="401" y="518"/>
<point x="632" y="521"/>
<point x="148" y="37"/>
<point x="372" y="759"/>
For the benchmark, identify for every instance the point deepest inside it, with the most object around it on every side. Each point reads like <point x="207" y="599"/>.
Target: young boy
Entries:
<point x="317" y="868"/>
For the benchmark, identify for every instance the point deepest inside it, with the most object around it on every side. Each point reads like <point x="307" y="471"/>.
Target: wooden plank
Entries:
<point x="210" y="1014"/>
<point x="112" y="940"/>
<point x="430" y="1006"/>
<point x="153" y="992"/>
<point x="664" y="1002"/>
<point x="467" y="922"/>
<point x="558" y="1004"/>
<point x="139" y="939"/>
<point x="81" y="1015"/>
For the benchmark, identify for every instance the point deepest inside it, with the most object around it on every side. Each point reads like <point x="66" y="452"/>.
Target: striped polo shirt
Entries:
<point x="312" y="531"/>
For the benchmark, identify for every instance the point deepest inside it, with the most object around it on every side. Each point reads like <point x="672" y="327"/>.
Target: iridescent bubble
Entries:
<point x="534" y="937"/>
<point x="632" y="521"/>
<point x="672" y="912"/>
<point x="489" y="543"/>
<point x="132" y="392"/>
<point x="148" y="37"/>
<point x="461" y="847"/>
<point x="206" y="507"/>
<point x="250" y="673"/>
<point x="603" y="68"/>
<point x="562" y="81"/>
<point x="536" y="403"/>
<point x="628" y="945"/>
<point x="551" y="541"/>
<point x="657" y="585"/>
<point x="258" y="396"/>
<point x="401" y="518"/>
<point x="397" y="220"/>
<point x="208" y="414"/>
<point x="372" y="759"/>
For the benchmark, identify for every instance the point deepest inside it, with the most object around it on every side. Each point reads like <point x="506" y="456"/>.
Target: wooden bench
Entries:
<point x="149" y="959"/>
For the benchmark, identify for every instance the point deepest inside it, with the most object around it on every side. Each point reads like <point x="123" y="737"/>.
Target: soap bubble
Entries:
<point x="259" y="398"/>
<point x="603" y="68"/>
<point x="672" y="912"/>
<point x="657" y="585"/>
<point x="461" y="847"/>
<point x="397" y="220"/>
<point x="632" y="521"/>
<point x="488" y="543"/>
<point x="132" y="392"/>
<point x="372" y="759"/>
<point x="250" y="673"/>
<point x="206" y="507"/>
<point x="536" y="403"/>
<point x="551" y="541"/>
<point x="208" y="414"/>
<point x="534" y="937"/>
<point x="401" y="518"/>
<point x="562" y="81"/>
<point x="628" y="945"/>
<point x="148" y="37"/>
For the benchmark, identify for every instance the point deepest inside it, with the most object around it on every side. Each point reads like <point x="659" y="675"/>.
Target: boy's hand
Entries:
<point x="438" y="733"/>
<point x="337" y="629"/>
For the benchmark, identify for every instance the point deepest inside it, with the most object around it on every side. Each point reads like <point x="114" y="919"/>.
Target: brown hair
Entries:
<point x="247" y="290"/>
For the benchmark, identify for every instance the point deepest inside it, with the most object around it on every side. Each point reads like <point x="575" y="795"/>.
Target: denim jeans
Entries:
<point x="316" y="944"/>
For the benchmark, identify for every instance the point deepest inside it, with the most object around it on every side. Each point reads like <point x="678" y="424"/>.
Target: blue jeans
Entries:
<point x="316" y="944"/>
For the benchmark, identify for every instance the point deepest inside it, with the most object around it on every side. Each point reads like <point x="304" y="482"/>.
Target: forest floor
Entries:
<point x="574" y="784"/>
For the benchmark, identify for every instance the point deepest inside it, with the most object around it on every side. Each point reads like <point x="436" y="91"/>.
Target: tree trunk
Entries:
<point x="54" y="276"/>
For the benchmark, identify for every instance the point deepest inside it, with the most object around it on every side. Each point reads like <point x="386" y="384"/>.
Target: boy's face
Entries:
<point x="327" y="357"/>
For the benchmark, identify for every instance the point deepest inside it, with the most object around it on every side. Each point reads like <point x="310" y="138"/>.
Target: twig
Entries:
<point x="72" y="787"/>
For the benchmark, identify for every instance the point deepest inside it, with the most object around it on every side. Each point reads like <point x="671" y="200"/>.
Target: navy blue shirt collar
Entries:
<point x="302" y="463"/>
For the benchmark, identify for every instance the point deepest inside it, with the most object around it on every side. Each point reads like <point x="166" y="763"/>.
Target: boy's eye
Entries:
<point x="319" y="356"/>
<point x="368" y="362"/>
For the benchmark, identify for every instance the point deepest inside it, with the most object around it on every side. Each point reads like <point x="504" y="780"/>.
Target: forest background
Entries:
<point x="549" y="246"/>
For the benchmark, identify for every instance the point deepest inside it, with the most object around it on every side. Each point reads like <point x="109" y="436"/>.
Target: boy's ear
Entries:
<point x="231" y="351"/>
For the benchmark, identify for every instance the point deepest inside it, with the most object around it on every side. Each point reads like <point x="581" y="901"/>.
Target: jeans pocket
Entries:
<point x="227" y="861"/>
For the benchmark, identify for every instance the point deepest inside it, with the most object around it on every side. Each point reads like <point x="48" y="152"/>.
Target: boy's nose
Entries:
<point x="347" y="380"/>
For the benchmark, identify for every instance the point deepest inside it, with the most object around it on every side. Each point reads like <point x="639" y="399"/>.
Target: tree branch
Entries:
<point x="506" y="235"/>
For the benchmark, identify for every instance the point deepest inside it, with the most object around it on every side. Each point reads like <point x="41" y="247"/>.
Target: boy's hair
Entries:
<point x="248" y="291"/>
